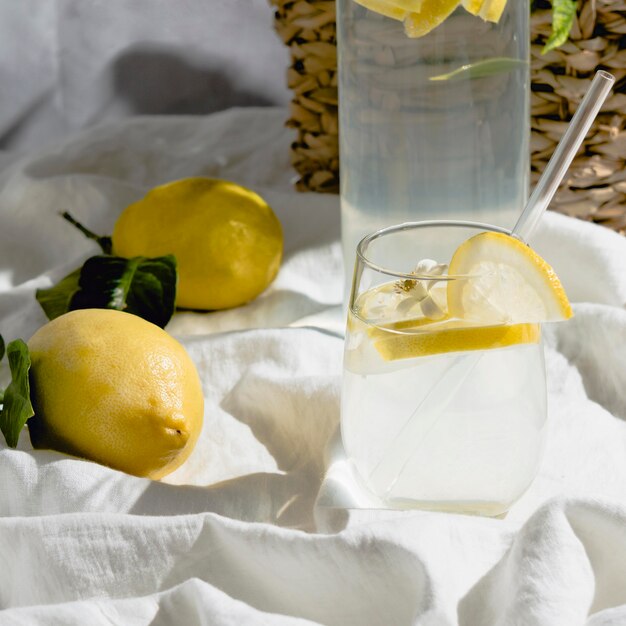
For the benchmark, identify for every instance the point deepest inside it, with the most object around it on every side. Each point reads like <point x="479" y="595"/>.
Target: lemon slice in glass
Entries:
<point x="507" y="283"/>
<point x="489" y="10"/>
<point x="398" y="342"/>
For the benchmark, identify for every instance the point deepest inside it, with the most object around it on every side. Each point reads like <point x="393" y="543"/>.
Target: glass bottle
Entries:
<point x="433" y="127"/>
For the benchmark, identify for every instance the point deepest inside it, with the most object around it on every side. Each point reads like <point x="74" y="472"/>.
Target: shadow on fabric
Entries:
<point x="155" y="80"/>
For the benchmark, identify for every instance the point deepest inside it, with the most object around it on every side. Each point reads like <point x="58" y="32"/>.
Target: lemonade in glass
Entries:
<point x="444" y="389"/>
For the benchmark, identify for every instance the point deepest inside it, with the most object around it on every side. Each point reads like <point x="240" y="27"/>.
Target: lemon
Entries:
<point x="450" y="336"/>
<point x="489" y="10"/>
<point x="431" y="14"/>
<point x="508" y="283"/>
<point x="227" y="241"/>
<point x="110" y="387"/>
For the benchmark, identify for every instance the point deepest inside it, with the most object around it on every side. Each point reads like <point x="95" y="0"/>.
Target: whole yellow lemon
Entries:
<point x="227" y="240"/>
<point x="110" y="387"/>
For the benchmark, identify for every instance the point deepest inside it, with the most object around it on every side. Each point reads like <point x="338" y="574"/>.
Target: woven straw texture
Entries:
<point x="308" y="28"/>
<point x="595" y="186"/>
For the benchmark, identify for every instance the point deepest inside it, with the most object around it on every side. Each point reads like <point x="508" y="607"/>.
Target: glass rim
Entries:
<point x="404" y="226"/>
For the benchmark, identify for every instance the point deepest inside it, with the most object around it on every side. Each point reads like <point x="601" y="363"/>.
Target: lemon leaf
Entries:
<point x="563" y="14"/>
<point x="57" y="300"/>
<point x="1" y="355"/>
<point x="16" y="405"/>
<point x="480" y="69"/>
<point x="141" y="286"/>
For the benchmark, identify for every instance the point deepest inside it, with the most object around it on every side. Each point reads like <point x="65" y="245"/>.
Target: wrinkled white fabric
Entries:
<point x="234" y="536"/>
<point x="67" y="64"/>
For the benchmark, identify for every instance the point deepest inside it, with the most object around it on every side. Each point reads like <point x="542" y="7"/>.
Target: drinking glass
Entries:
<point x="437" y="413"/>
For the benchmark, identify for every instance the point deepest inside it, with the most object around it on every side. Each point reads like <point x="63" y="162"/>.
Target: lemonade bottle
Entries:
<point x="433" y="111"/>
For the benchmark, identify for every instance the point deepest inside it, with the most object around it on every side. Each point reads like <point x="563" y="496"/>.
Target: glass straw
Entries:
<point x="564" y="154"/>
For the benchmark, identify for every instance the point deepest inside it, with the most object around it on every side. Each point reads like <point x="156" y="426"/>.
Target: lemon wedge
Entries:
<point x="506" y="283"/>
<point x="449" y="336"/>
<point x="431" y="14"/>
<point x="489" y="10"/>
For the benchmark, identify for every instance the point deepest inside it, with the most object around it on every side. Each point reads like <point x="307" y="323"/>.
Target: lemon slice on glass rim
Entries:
<point x="507" y="283"/>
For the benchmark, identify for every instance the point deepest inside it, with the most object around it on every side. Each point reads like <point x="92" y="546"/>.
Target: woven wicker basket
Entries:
<point x="595" y="187"/>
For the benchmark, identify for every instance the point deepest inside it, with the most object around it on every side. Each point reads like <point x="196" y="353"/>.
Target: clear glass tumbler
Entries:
<point x="437" y="412"/>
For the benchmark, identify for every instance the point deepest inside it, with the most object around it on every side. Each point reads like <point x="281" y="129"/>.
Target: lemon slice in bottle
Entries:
<point x="396" y="9"/>
<point x="431" y="14"/>
<point x="388" y="9"/>
<point x="422" y="16"/>
<point x="507" y="283"/>
<point x="489" y="10"/>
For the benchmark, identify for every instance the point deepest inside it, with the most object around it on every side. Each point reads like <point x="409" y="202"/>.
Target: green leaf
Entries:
<point x="1" y="356"/>
<point x="16" y="408"/>
<point x="563" y="14"/>
<point x="487" y="67"/>
<point x="142" y="286"/>
<point x="57" y="300"/>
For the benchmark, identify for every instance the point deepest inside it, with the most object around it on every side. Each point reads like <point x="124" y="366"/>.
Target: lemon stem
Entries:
<point x="105" y="243"/>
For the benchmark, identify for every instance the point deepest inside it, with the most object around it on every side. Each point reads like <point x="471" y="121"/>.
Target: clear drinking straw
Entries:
<point x="564" y="154"/>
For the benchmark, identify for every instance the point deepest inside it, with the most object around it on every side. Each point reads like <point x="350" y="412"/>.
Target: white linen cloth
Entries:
<point x="67" y="64"/>
<point x="234" y="536"/>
